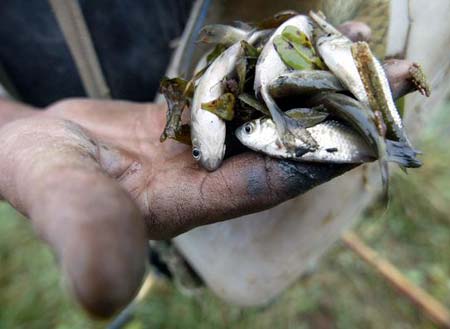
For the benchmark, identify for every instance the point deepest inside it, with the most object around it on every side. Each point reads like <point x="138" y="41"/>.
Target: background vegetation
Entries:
<point x="343" y="292"/>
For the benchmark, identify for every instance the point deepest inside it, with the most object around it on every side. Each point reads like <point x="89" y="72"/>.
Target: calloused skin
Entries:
<point x="96" y="184"/>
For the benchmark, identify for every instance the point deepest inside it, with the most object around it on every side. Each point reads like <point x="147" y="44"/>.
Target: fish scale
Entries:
<point x="378" y="90"/>
<point x="335" y="49"/>
<point x="338" y="142"/>
<point x="207" y="129"/>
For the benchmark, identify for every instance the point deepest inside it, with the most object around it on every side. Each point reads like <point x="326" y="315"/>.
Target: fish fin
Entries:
<point x="320" y="20"/>
<point x="216" y="52"/>
<point x="384" y="169"/>
<point x="275" y="112"/>
<point x="220" y="34"/>
<point x="309" y="117"/>
<point x="402" y="154"/>
<point x="251" y="101"/>
<point x="300" y="151"/>
<point x="287" y="127"/>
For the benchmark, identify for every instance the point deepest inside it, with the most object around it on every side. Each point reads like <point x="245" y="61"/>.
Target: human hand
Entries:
<point x="97" y="184"/>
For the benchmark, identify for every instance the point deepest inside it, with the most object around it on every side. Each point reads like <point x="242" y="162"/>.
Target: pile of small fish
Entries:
<point x="292" y="87"/>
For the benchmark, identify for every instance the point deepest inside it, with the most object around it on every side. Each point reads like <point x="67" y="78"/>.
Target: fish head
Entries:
<point x="209" y="157"/>
<point x="258" y="134"/>
<point x="324" y="31"/>
<point x="208" y="142"/>
<point x="221" y="34"/>
<point x="325" y="39"/>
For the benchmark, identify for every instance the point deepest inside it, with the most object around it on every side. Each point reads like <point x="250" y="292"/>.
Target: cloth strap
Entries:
<point x="71" y="21"/>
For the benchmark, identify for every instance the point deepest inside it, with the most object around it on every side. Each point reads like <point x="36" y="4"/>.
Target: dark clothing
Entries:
<point x="131" y="39"/>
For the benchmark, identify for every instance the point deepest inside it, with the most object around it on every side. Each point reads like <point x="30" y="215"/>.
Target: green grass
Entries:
<point x="414" y="234"/>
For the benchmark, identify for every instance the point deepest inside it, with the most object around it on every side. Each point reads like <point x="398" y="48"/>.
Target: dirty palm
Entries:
<point x="292" y="87"/>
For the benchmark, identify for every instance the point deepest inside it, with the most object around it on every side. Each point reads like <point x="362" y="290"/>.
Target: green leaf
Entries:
<point x="249" y="50"/>
<point x="290" y="56"/>
<point x="223" y="106"/>
<point x="246" y="64"/>
<point x="241" y="70"/>
<point x="249" y="100"/>
<point x="400" y="105"/>
<point x="178" y="93"/>
<point x="293" y="34"/>
<point x="216" y="52"/>
<point x="183" y="135"/>
<point x="300" y="42"/>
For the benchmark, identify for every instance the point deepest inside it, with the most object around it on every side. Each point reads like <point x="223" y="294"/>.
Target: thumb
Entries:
<point x="50" y="174"/>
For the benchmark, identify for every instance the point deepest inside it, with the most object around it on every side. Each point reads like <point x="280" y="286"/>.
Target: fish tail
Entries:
<point x="402" y="154"/>
<point x="323" y="24"/>
<point x="384" y="169"/>
<point x="277" y="114"/>
<point x="288" y="128"/>
<point x="408" y="143"/>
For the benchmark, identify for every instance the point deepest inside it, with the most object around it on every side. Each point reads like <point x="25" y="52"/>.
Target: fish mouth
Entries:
<point x="238" y="134"/>
<point x="211" y="164"/>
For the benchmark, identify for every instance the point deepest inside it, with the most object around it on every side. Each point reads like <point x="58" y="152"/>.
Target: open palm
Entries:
<point x="97" y="184"/>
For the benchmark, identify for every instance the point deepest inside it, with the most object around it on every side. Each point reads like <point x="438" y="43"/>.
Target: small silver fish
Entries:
<point x="207" y="129"/>
<point x="338" y="143"/>
<point x="229" y="35"/>
<point x="378" y="90"/>
<point x="304" y="82"/>
<point x="269" y="67"/>
<point x="335" y="50"/>
<point x="363" y="120"/>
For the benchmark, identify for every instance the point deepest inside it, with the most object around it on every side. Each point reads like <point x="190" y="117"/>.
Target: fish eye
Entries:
<point x="248" y="128"/>
<point x="196" y="153"/>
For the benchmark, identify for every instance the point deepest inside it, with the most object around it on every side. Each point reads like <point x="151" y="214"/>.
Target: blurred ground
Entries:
<point x="343" y="292"/>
